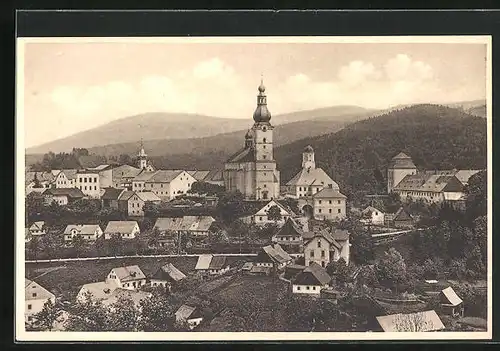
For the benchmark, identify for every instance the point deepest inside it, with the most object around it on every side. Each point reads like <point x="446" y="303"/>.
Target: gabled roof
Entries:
<point x="313" y="274"/>
<point x="276" y="253"/>
<point x="73" y="193"/>
<point x="203" y="262"/>
<point x="329" y="193"/>
<point x="70" y="173"/>
<point x="186" y="312"/>
<point x="217" y="262"/>
<point x="164" y="176"/>
<point x="41" y="176"/>
<point x="422" y="321"/>
<point x="243" y="155"/>
<point x="316" y="176"/>
<point x="199" y="175"/>
<point x="82" y="229"/>
<point x="147" y="196"/>
<point x="125" y="171"/>
<point x="135" y="295"/>
<point x="168" y="272"/>
<point x="284" y="210"/>
<point x="402" y="215"/>
<point x="186" y="223"/>
<point x="430" y="182"/>
<point x="143" y="176"/>
<point x="31" y="287"/>
<point x="451" y="296"/>
<point x="370" y="209"/>
<point x="99" y="168"/>
<point x="122" y="227"/>
<point x="126" y="195"/>
<point x="464" y="175"/>
<point x="290" y="228"/>
<point x="331" y="237"/>
<point x="100" y="290"/>
<point x="112" y="193"/>
<point x="38" y="225"/>
<point x="129" y="273"/>
<point x="214" y="176"/>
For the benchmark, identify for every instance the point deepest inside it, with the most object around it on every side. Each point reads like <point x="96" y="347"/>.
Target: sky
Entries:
<point x="77" y="86"/>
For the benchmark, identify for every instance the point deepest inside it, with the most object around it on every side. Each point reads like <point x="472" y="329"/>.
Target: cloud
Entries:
<point x="403" y="68"/>
<point x="357" y="72"/>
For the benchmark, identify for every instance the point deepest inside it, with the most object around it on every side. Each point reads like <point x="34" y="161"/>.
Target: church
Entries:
<point x="252" y="170"/>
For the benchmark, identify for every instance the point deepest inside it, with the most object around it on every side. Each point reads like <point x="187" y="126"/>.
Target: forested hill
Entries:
<point x="436" y="137"/>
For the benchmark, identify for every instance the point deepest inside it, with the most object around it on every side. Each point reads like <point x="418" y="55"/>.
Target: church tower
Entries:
<point x="308" y="158"/>
<point x="142" y="158"/>
<point x="266" y="174"/>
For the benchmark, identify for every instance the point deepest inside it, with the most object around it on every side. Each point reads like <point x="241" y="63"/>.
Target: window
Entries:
<point x="323" y="264"/>
<point x="329" y="210"/>
<point x="264" y="157"/>
<point x="330" y="202"/>
<point x="265" y="186"/>
<point x="34" y="294"/>
<point x="308" y="288"/>
<point x="314" y="288"/>
<point x="339" y="211"/>
<point x="264" y="146"/>
<point x="319" y="243"/>
<point x="311" y="254"/>
<point x="338" y="202"/>
<point x="260" y="218"/>
<point x="319" y="210"/>
<point x="320" y="202"/>
<point x="29" y="307"/>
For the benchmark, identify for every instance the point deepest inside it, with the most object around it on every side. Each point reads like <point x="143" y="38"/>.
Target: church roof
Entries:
<point x="243" y="155"/>
<point x="315" y="176"/>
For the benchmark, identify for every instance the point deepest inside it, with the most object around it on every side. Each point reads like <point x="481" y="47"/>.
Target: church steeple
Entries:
<point x="262" y="114"/>
<point x="142" y="157"/>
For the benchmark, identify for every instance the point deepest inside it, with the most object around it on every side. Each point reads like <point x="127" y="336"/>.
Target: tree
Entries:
<point x="274" y="214"/>
<point x="116" y="244"/>
<point x="35" y="206"/>
<point x="34" y="247"/>
<point x="156" y="314"/>
<point x="476" y="192"/>
<point x="339" y="271"/>
<point x="125" y="159"/>
<point x="391" y="269"/>
<point x="123" y="315"/>
<point x="292" y="204"/>
<point x="231" y="206"/>
<point x="78" y="244"/>
<point x="88" y="315"/>
<point x="360" y="238"/>
<point x="414" y="322"/>
<point x="207" y="188"/>
<point x="151" y="210"/>
<point x="50" y="244"/>
<point x="45" y="319"/>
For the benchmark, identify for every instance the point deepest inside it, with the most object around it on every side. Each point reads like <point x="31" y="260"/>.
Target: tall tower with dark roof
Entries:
<point x="142" y="157"/>
<point x="400" y="166"/>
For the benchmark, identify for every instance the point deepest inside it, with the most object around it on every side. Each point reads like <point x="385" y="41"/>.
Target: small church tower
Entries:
<point x="142" y="158"/>
<point x="308" y="158"/>
<point x="401" y="165"/>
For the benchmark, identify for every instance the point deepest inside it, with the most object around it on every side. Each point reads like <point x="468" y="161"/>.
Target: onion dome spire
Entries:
<point x="262" y="114"/>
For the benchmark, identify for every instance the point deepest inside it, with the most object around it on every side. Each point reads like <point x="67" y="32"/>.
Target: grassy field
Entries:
<point x="67" y="278"/>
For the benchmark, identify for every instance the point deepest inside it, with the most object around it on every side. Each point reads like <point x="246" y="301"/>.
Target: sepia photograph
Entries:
<point x="253" y="188"/>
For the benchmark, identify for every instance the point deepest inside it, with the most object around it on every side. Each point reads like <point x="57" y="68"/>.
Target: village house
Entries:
<point x="35" y="296"/>
<point x="190" y="315"/>
<point x="166" y="276"/>
<point x="88" y="182"/>
<point x="451" y="304"/>
<point x="129" y="277"/>
<point x="196" y="227"/>
<point x="261" y="217"/>
<point x="372" y="216"/>
<point x="62" y="196"/>
<point x="426" y="321"/>
<point x="105" y="173"/>
<point x="400" y="219"/>
<point x="37" y="228"/>
<point x="126" y="229"/>
<point x="289" y="235"/>
<point x="311" y="280"/>
<point x="210" y="264"/>
<point x="323" y="246"/>
<point x="132" y="202"/>
<point x="68" y="178"/>
<point x="38" y="181"/>
<point x="139" y="181"/>
<point x="88" y="232"/>
<point x="292" y="270"/>
<point x="137" y="296"/>
<point x="273" y="256"/>
<point x="123" y="175"/>
<point x="110" y="197"/>
<point x="329" y="204"/>
<point x="109" y="293"/>
<point x="168" y="184"/>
